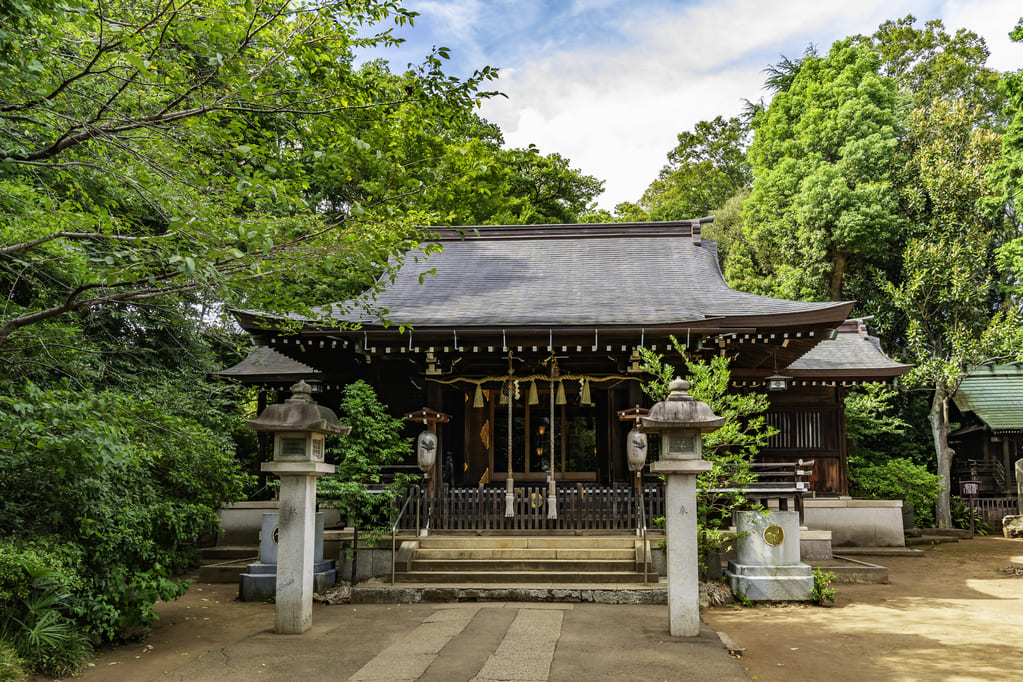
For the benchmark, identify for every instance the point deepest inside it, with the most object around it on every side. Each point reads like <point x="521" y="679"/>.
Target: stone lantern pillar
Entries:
<point x="299" y="426"/>
<point x="681" y="423"/>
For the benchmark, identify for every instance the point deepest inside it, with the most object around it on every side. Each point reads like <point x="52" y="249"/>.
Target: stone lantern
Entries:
<point x="299" y="426"/>
<point x="681" y="422"/>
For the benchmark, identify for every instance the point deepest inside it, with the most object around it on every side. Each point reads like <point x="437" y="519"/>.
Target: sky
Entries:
<point x="610" y="83"/>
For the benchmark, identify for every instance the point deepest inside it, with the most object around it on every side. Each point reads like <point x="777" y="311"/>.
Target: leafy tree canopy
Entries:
<point x="211" y="146"/>
<point x="823" y="156"/>
<point x="706" y="168"/>
<point x="930" y="65"/>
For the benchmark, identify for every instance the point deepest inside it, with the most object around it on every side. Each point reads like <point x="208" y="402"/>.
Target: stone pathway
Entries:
<point x="453" y="643"/>
<point x="468" y="642"/>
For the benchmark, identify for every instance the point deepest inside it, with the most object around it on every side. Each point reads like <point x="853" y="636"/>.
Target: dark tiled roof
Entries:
<point x="266" y="364"/>
<point x="852" y="354"/>
<point x="995" y="394"/>
<point x="645" y="274"/>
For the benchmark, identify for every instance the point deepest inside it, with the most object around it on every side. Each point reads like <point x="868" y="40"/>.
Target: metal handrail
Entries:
<point x="641" y="531"/>
<point x="394" y="533"/>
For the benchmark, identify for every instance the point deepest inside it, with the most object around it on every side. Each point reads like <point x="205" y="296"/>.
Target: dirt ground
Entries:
<point x="953" y="614"/>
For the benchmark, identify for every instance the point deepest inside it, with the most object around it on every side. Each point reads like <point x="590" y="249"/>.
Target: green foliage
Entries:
<point x="822" y="590"/>
<point x="961" y="517"/>
<point x="730" y="449"/>
<point x="868" y="413"/>
<point x="122" y="483"/>
<point x="882" y="422"/>
<point x="822" y="210"/>
<point x="930" y="65"/>
<point x="232" y="149"/>
<point x="35" y="608"/>
<point x="948" y="302"/>
<point x="1007" y="171"/>
<point x="357" y="489"/>
<point x="12" y="667"/>
<point x="898" y="479"/>
<point x="705" y="169"/>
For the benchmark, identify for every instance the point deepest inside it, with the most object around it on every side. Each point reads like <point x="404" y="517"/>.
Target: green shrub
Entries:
<point x="12" y="668"/>
<point x="822" y="590"/>
<point x="898" y="479"/>
<point x="356" y="488"/>
<point x="122" y="485"/>
<point x="36" y="615"/>
<point x="961" y="517"/>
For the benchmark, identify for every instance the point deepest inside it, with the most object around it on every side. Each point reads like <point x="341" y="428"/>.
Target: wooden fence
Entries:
<point x="993" y="509"/>
<point x="580" y="506"/>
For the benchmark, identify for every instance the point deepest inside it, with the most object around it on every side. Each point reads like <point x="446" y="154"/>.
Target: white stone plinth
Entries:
<point x="680" y="534"/>
<point x="768" y="566"/>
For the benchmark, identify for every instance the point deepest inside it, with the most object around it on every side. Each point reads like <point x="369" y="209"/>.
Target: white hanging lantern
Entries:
<point x="426" y="451"/>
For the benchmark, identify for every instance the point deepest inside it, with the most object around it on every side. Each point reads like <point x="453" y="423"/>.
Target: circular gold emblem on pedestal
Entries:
<point x="774" y="535"/>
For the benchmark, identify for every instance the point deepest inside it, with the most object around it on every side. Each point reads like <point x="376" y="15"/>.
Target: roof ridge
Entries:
<point x="672" y="228"/>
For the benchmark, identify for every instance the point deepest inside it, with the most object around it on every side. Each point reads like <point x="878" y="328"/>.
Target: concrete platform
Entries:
<point x="878" y="551"/>
<point x="850" y="570"/>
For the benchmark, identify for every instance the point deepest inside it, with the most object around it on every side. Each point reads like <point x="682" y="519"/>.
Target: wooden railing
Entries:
<point x="780" y="485"/>
<point x="581" y="506"/>
<point x="993" y="509"/>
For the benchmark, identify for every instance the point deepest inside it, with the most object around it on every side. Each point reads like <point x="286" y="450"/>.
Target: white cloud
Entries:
<point x="616" y="114"/>
<point x="993" y="19"/>
<point x="610" y="84"/>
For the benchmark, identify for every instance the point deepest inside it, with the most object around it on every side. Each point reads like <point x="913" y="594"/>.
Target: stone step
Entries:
<point x="537" y="565"/>
<point x="528" y="542"/>
<point x="228" y="572"/>
<point x="229" y="553"/>
<point x="525" y="553"/>
<point x="931" y="540"/>
<point x="519" y="577"/>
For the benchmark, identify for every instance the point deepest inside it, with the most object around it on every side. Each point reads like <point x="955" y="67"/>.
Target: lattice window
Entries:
<point x="796" y="430"/>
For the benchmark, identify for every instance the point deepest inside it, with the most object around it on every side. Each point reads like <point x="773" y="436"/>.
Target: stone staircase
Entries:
<point x="593" y="560"/>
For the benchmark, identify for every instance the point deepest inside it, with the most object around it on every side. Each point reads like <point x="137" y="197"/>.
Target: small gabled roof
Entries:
<point x="558" y="276"/>
<point x="995" y="394"/>
<point x="265" y="365"/>
<point x="853" y="355"/>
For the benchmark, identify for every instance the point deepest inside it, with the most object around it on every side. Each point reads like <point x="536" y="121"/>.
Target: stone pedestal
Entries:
<point x="259" y="582"/>
<point x="767" y="565"/>
<point x="680" y="535"/>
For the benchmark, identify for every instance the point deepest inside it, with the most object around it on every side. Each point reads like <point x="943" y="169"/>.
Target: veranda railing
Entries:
<point x="581" y="506"/>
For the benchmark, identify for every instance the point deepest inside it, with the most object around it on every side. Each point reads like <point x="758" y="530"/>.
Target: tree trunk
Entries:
<point x="837" y="275"/>
<point x="938" y="416"/>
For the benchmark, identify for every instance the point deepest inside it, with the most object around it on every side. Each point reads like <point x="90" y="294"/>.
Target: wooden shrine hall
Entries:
<point x="561" y="311"/>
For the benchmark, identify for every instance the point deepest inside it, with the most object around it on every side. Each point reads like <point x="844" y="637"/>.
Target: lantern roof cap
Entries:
<point x="299" y="413"/>
<point x="681" y="411"/>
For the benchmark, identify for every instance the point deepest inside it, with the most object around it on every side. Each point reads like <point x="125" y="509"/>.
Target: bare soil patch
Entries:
<point x="954" y="613"/>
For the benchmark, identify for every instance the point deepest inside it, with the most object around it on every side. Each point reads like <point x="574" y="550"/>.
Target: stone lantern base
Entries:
<point x="259" y="582"/>
<point x="767" y="567"/>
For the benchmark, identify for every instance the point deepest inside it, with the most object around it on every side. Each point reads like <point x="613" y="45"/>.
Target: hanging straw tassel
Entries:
<point x="534" y="396"/>
<point x="477" y="401"/>
<point x="584" y="393"/>
<point x="503" y="400"/>
<point x="561" y="393"/>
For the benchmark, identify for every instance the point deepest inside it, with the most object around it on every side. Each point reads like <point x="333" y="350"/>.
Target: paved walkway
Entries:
<point x="473" y="641"/>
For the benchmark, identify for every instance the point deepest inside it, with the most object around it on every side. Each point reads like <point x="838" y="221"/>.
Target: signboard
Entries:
<point x="968" y="488"/>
